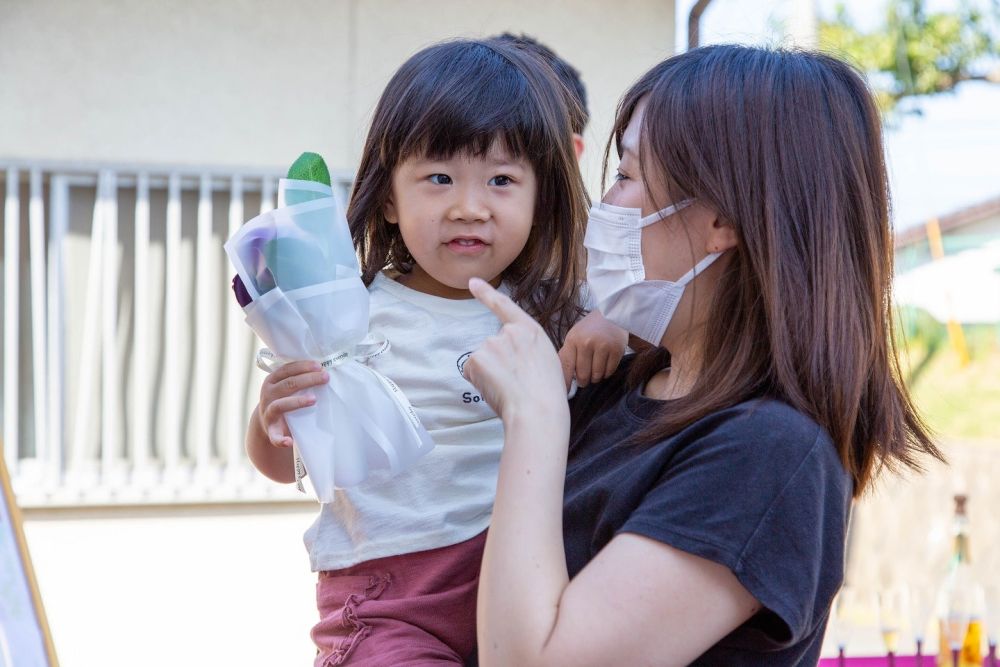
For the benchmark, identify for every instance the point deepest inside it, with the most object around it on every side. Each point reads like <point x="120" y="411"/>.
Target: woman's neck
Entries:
<point x="676" y="380"/>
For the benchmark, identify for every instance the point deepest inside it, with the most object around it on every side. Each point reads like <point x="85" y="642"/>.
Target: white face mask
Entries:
<point x="617" y="278"/>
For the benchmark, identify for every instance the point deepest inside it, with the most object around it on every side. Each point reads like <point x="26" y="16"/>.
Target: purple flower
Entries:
<point x="240" y="290"/>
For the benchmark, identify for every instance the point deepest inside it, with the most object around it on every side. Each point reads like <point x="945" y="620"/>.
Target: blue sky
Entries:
<point x="942" y="160"/>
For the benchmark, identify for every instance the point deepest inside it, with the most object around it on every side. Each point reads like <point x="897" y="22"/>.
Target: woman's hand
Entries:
<point x="517" y="368"/>
<point x="278" y="397"/>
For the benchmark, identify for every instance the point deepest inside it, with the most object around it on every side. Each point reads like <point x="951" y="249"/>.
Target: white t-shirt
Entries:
<point x="447" y="497"/>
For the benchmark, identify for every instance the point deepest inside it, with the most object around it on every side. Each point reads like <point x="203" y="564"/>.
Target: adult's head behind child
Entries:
<point x="568" y="76"/>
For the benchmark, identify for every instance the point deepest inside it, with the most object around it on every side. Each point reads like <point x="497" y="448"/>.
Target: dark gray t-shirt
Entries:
<point x="757" y="487"/>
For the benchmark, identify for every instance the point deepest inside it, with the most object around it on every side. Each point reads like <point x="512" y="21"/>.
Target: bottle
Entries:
<point x="958" y="599"/>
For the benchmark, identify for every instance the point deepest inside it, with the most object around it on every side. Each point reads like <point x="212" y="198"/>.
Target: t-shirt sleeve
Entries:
<point x="763" y="493"/>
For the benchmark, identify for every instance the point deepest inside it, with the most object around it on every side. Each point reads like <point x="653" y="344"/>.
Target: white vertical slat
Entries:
<point x="205" y="286"/>
<point x="110" y="407"/>
<point x="36" y="233"/>
<point x="171" y="334"/>
<point x="141" y="437"/>
<point x="266" y="195"/>
<point x="69" y="455"/>
<point x="236" y="336"/>
<point x="11" y="320"/>
<point x="58" y="224"/>
<point x="89" y="344"/>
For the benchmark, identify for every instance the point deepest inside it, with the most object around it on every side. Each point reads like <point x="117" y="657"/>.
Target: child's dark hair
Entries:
<point x="462" y="97"/>
<point x="786" y="146"/>
<point x="568" y="75"/>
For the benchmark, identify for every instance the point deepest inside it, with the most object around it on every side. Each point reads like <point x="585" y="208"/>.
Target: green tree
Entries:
<point x="915" y="52"/>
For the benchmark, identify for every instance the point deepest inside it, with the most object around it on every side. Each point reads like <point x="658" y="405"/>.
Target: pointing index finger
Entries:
<point x="501" y="305"/>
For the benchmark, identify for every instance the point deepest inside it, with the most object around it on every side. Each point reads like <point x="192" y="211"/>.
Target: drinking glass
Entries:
<point x="893" y="607"/>
<point x="921" y="611"/>
<point x="956" y="608"/>
<point x="991" y="595"/>
<point x="852" y="609"/>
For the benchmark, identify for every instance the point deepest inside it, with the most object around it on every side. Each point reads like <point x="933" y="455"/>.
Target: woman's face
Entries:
<point x="672" y="246"/>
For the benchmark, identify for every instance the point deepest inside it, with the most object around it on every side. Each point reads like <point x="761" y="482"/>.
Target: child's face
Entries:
<point x="461" y="218"/>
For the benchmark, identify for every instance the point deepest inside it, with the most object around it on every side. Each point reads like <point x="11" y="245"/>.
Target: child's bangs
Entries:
<point x="478" y="103"/>
<point x="446" y="145"/>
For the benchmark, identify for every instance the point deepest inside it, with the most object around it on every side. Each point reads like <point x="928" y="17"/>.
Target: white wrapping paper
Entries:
<point x="298" y="265"/>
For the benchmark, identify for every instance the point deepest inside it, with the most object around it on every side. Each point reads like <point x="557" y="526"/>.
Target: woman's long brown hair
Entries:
<point x="461" y="97"/>
<point x="786" y="147"/>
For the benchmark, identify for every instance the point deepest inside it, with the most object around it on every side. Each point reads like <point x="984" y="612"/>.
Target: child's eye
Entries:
<point x="500" y="180"/>
<point x="440" y="179"/>
<point x="620" y="176"/>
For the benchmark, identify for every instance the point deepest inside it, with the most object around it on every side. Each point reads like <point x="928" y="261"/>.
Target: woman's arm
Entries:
<point x="638" y="602"/>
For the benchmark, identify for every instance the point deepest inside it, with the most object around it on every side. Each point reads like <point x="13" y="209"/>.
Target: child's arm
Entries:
<point x="592" y="349"/>
<point x="269" y="442"/>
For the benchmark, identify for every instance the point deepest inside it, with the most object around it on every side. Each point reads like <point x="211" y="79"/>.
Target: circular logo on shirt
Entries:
<point x="461" y="363"/>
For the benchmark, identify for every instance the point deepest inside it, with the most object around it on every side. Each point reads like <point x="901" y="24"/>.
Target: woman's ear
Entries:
<point x="389" y="211"/>
<point x="721" y="236"/>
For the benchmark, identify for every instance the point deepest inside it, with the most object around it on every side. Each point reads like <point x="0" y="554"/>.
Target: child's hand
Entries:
<point x="592" y="350"/>
<point x="277" y="397"/>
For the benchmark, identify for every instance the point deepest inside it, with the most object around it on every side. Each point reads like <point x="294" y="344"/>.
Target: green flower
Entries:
<point x="310" y="167"/>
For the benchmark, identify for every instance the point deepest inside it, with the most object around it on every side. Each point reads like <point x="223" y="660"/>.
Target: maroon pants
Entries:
<point x="409" y="610"/>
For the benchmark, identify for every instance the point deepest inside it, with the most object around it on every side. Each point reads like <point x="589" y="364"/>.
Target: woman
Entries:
<point x="696" y="510"/>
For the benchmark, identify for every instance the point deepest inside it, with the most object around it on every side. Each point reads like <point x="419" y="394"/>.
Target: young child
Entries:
<point x="468" y="171"/>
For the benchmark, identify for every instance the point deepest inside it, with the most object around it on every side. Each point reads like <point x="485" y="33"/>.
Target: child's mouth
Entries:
<point x="467" y="246"/>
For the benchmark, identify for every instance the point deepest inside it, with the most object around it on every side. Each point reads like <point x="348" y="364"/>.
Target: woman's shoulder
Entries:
<point x="767" y="429"/>
<point x="768" y="443"/>
<point x="774" y="418"/>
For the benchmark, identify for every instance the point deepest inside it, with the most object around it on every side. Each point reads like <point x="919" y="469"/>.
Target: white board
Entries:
<point x="24" y="633"/>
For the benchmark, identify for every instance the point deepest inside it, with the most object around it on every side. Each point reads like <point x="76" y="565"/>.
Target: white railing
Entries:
<point x="127" y="367"/>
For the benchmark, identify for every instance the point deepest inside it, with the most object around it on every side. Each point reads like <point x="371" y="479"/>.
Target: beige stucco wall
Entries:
<point x="245" y="83"/>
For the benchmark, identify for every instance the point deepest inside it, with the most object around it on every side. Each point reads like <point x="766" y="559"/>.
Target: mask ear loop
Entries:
<point x="698" y="268"/>
<point x="664" y="212"/>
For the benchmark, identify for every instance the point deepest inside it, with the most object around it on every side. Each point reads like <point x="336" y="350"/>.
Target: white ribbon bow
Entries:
<point x="372" y="346"/>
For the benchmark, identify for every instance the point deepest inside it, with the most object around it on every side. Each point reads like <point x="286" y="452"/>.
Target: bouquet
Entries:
<point x="299" y="285"/>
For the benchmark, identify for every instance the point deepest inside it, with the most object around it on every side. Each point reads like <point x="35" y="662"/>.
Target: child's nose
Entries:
<point x="468" y="206"/>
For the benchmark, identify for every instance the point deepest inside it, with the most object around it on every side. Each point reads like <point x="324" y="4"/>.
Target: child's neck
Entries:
<point x="421" y="281"/>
